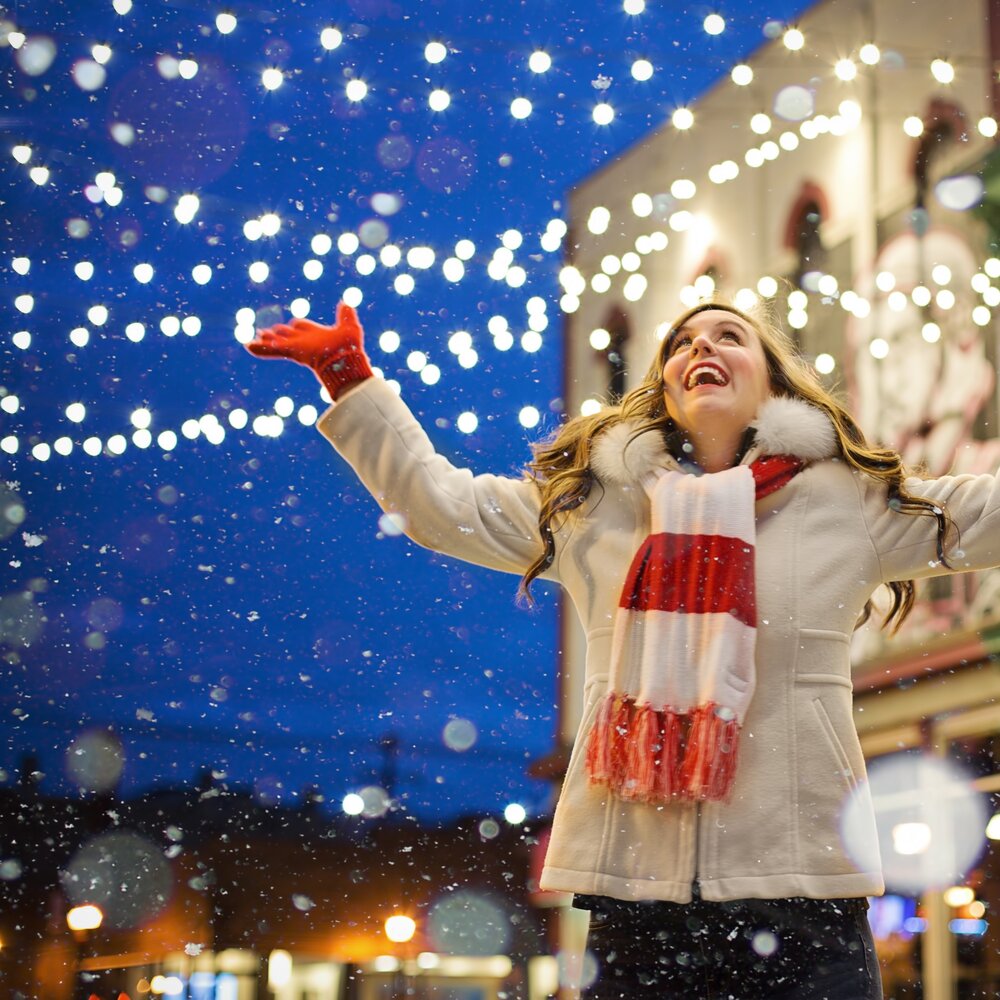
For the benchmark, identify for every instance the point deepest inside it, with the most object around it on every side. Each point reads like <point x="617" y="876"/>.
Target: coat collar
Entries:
<point x="784" y="426"/>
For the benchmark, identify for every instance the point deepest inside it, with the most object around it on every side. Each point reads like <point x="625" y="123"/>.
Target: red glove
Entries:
<point x="335" y="353"/>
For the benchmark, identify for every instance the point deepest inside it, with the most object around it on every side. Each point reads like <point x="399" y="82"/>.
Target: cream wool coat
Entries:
<point x="824" y="543"/>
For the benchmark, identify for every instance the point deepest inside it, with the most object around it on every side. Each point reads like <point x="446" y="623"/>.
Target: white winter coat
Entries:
<point x="824" y="543"/>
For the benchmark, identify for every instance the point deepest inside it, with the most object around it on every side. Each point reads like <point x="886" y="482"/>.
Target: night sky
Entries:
<point x="231" y="601"/>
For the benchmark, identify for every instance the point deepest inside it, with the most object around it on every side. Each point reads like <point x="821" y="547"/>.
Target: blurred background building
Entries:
<point x="207" y="894"/>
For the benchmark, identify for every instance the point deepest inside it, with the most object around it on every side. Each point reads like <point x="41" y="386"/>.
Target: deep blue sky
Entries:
<point x="252" y="617"/>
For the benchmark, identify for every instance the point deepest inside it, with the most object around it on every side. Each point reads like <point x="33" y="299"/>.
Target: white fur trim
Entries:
<point x="614" y="460"/>
<point x="785" y="427"/>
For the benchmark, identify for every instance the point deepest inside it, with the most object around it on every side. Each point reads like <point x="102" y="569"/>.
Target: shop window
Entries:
<point x="809" y="247"/>
<point x="802" y="235"/>
<point x="944" y="124"/>
<point x="617" y="325"/>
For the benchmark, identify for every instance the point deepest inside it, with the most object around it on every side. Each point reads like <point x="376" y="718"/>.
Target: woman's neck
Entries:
<point x="716" y="451"/>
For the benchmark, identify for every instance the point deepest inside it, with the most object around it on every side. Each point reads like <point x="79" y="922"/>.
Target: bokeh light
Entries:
<point x="931" y="823"/>
<point x="122" y="873"/>
<point x="94" y="761"/>
<point x="464" y="922"/>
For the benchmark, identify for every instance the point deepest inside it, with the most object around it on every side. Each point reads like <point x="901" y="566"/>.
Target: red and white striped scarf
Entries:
<point x="682" y="661"/>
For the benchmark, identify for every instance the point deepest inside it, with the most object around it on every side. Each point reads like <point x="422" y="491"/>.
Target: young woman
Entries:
<point x="720" y="533"/>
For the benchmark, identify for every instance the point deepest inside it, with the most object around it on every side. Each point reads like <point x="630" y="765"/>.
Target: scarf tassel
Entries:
<point x="710" y="760"/>
<point x="640" y="754"/>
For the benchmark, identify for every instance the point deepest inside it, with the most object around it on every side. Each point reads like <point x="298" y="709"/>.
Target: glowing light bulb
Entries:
<point x="642" y="70"/>
<point x="515" y="813"/>
<point x="435" y="52"/>
<point x="598" y="220"/>
<point x="793" y="39"/>
<point x="642" y="205"/>
<point x="603" y="113"/>
<point x="742" y="75"/>
<point x="356" y="90"/>
<point x="942" y="71"/>
<point x="682" y="118"/>
<point x="683" y="189"/>
<point x="869" y="54"/>
<point x="439" y="100"/>
<point x="520" y="107"/>
<point x="539" y="61"/>
<point x="845" y="69"/>
<point x="272" y="78"/>
<point x="528" y="417"/>
<point x="330" y="38"/>
<point x="400" y="928"/>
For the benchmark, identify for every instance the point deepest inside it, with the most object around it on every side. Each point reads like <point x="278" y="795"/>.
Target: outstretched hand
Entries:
<point x="308" y="343"/>
<point x="335" y="353"/>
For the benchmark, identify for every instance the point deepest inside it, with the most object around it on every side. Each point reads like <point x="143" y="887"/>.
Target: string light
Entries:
<point x="742" y="75"/>
<point x="603" y="113"/>
<point x="682" y="119"/>
<point x="539" y="61"/>
<point x="435" y="52"/>
<point x="331" y="38"/>
<point x="642" y="70"/>
<point x="356" y="90"/>
<point x="452" y="267"/>
<point x="794" y="39"/>
<point x="845" y="70"/>
<point x="869" y="54"/>
<point x="520" y="107"/>
<point x="943" y="71"/>
<point x="439" y="100"/>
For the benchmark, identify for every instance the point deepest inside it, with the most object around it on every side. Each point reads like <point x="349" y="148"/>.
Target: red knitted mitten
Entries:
<point x="335" y="353"/>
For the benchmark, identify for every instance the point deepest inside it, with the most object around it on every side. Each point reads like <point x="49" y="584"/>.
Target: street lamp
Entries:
<point x="84" y="918"/>
<point x="81" y="920"/>
<point x="399" y="929"/>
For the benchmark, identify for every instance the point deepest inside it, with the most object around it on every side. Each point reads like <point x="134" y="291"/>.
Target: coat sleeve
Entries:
<point x="484" y="519"/>
<point x="906" y="543"/>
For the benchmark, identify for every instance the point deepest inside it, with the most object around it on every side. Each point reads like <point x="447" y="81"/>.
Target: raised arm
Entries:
<point x="485" y="519"/>
<point x="905" y="543"/>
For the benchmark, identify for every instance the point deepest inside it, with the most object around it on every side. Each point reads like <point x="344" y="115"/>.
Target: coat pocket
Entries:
<point x="840" y="754"/>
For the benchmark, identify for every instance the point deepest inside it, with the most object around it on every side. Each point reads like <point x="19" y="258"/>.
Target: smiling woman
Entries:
<point x="700" y="528"/>
<point x="715" y="379"/>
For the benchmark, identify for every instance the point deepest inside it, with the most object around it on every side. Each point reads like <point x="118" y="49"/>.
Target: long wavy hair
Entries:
<point x="560" y="467"/>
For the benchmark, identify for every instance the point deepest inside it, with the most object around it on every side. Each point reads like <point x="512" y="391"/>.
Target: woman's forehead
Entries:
<point x="710" y="317"/>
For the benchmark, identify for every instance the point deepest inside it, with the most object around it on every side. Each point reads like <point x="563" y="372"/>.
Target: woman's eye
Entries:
<point x="732" y="334"/>
<point x="679" y="343"/>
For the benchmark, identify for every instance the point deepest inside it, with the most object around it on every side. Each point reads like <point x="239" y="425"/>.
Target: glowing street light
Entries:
<point x="400" y="928"/>
<point x="84" y="918"/>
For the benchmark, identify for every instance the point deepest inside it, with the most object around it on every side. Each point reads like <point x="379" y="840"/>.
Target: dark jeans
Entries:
<point x="747" y="949"/>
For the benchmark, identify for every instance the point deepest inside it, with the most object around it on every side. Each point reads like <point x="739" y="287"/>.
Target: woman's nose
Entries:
<point x="702" y="344"/>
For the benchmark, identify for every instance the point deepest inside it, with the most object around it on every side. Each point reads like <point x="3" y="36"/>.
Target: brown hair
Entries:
<point x="560" y="467"/>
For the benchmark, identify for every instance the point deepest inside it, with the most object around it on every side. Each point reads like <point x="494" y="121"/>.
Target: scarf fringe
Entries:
<point x="640" y="753"/>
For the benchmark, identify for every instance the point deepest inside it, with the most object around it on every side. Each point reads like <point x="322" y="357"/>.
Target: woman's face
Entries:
<point x="715" y="372"/>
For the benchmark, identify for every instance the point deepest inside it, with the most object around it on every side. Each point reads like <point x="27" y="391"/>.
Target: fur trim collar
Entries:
<point x="784" y="426"/>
